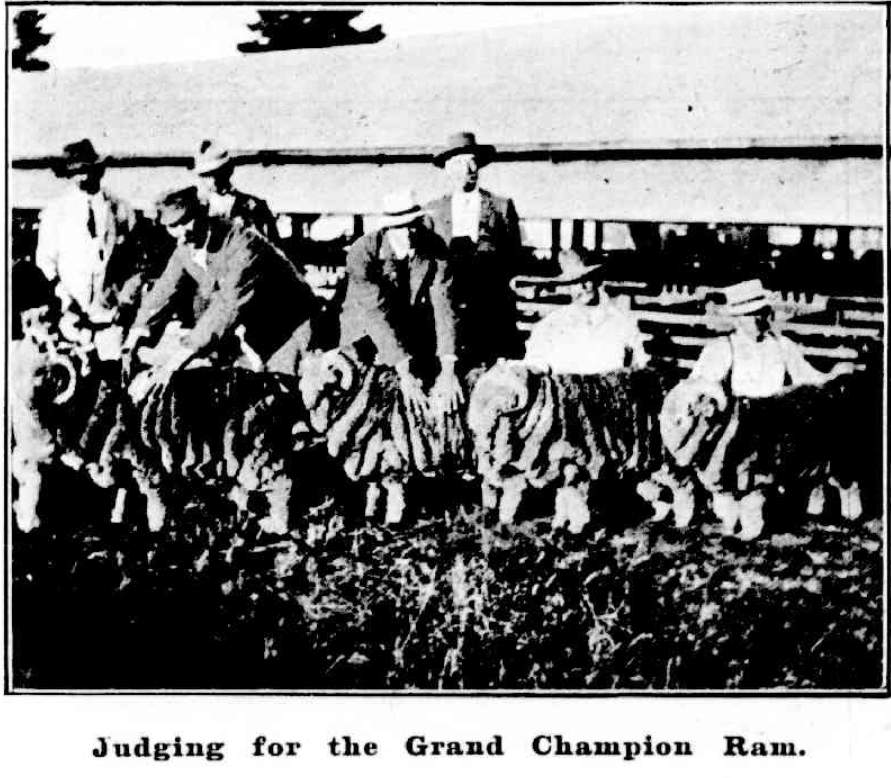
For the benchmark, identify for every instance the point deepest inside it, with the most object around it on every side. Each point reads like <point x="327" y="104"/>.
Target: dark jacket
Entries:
<point x="403" y="305"/>
<point x="486" y="309"/>
<point x="253" y="212"/>
<point x="247" y="282"/>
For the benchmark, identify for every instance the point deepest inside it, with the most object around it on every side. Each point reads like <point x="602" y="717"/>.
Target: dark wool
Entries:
<point x="370" y="428"/>
<point x="213" y="423"/>
<point x="533" y="423"/>
<point x="802" y="432"/>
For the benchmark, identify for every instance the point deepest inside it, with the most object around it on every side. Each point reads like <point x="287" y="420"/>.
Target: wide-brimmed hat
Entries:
<point x="178" y="207"/>
<point x="744" y="299"/>
<point x="574" y="268"/>
<point x="78" y="157"/>
<point x="401" y="208"/>
<point x="464" y="143"/>
<point x="210" y="157"/>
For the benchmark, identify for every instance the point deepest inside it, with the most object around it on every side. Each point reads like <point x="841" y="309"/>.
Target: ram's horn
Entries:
<point x="68" y="366"/>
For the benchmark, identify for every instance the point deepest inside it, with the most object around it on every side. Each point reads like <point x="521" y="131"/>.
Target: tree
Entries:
<point x="285" y="30"/>
<point x="29" y="37"/>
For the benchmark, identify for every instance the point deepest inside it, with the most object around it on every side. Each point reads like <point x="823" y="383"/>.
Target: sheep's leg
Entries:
<point x="571" y="507"/>
<point x="29" y="478"/>
<point x="683" y="503"/>
<point x="395" y="501"/>
<point x="489" y="493"/>
<point x="156" y="511"/>
<point x="278" y="498"/>
<point x="751" y="515"/>
<point x="120" y="501"/>
<point x="816" y="501"/>
<point x="511" y="495"/>
<point x="851" y="505"/>
<point x="726" y="509"/>
<point x="373" y="494"/>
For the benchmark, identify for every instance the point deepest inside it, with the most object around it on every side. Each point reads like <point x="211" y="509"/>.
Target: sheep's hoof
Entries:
<point x="816" y="502"/>
<point x="156" y="514"/>
<point x="395" y="503"/>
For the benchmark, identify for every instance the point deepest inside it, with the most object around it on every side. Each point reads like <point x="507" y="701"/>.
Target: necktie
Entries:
<point x="91" y="219"/>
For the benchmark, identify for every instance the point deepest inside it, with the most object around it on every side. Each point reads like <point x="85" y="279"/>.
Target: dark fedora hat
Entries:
<point x="78" y="157"/>
<point x="464" y="143"/>
<point x="178" y="207"/>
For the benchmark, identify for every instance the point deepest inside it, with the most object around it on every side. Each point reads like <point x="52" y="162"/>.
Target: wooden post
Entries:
<point x="598" y="235"/>
<point x="578" y="234"/>
<point x="358" y="225"/>
<point x="555" y="238"/>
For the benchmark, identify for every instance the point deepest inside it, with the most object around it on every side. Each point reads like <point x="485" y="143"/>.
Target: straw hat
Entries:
<point x="401" y="208"/>
<point x="464" y="143"/>
<point x="574" y="269"/>
<point x="210" y="158"/>
<point x="744" y="299"/>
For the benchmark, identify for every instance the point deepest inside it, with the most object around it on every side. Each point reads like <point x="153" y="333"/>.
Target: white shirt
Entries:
<point x="586" y="339"/>
<point x="759" y="367"/>
<point x="466" y="208"/>
<point x="68" y="251"/>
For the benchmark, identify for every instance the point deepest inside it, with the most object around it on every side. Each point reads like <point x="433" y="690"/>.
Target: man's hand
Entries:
<point x="447" y="395"/>
<point x="841" y="368"/>
<point x="411" y="390"/>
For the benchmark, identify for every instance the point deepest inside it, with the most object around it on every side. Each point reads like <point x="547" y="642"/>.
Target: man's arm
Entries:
<point x="800" y="371"/>
<point x="715" y="361"/>
<point x="373" y="305"/>
<point x="444" y="310"/>
<point x="158" y="304"/>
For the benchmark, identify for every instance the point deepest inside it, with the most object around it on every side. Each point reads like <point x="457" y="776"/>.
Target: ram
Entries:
<point x="228" y="429"/>
<point x="379" y="438"/>
<point x="739" y="447"/>
<point x="536" y="429"/>
<point x="54" y="395"/>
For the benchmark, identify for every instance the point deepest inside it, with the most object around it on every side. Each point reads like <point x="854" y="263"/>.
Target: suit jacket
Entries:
<point x="251" y="211"/>
<point x="485" y="304"/>
<point x="247" y="282"/>
<point x="403" y="305"/>
<point x="67" y="253"/>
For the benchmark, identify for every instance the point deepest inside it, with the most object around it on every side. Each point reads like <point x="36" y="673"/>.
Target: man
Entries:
<point x="89" y="249"/>
<point x="87" y="246"/>
<point x="755" y="361"/>
<point x="593" y="334"/>
<point x="237" y="296"/>
<point x="213" y="178"/>
<point x="483" y="235"/>
<point x="399" y="294"/>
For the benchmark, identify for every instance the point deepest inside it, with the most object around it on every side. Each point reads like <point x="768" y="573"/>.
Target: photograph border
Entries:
<point x="9" y="689"/>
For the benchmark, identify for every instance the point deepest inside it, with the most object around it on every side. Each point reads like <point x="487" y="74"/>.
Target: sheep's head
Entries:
<point x="328" y="379"/>
<point x="689" y="413"/>
<point x="503" y="389"/>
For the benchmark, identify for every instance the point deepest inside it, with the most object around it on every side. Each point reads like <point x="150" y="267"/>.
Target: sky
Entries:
<point x="93" y="36"/>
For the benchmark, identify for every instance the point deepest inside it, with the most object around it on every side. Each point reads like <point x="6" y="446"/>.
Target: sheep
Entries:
<point x="534" y="428"/>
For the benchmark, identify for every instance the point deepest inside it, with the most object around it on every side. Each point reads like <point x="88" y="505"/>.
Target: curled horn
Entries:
<point x="67" y="365"/>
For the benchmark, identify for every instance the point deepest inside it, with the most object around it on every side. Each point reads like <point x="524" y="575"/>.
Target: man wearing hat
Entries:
<point x="593" y="334"/>
<point x="87" y="245"/>
<point x="483" y="235"/>
<point x="239" y="298"/>
<point x="754" y="361"/>
<point x="758" y="361"/>
<point x="213" y="168"/>
<point x="89" y="248"/>
<point x="399" y="294"/>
